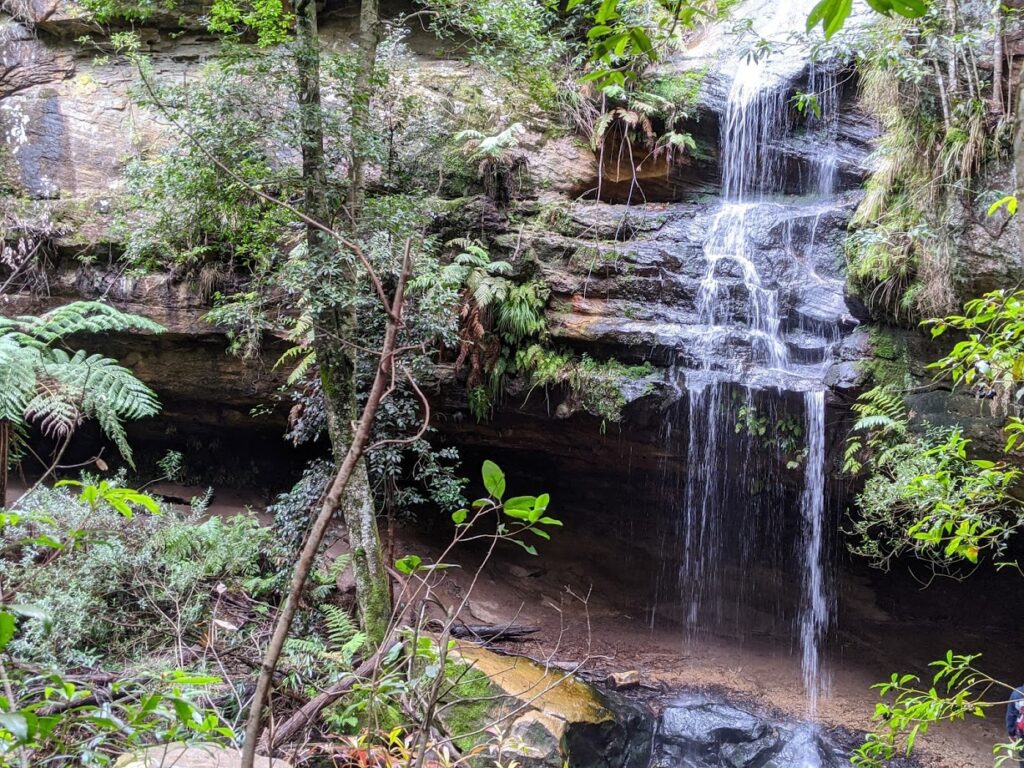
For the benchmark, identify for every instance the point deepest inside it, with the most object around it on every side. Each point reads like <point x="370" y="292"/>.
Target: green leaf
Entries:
<point x="459" y="517"/>
<point x="408" y="564"/>
<point x="1009" y="202"/>
<point x="7" y="627"/>
<point x="16" y="724"/>
<point x="494" y="479"/>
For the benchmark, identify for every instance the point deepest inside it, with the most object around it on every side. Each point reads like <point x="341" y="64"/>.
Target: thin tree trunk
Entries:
<point x="997" y="56"/>
<point x="334" y="326"/>
<point x="5" y="457"/>
<point x="369" y="36"/>
<point x="952" y="75"/>
<point x="307" y="557"/>
<point x="1018" y="165"/>
<point x="943" y="95"/>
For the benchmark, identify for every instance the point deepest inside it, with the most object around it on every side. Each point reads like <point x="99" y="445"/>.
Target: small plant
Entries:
<point x="496" y="158"/>
<point x="121" y="500"/>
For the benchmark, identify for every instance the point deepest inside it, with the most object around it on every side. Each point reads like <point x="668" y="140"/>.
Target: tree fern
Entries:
<point x="45" y="385"/>
<point x="77" y="317"/>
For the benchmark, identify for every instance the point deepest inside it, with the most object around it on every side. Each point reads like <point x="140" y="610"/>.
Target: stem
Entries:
<point x="307" y="556"/>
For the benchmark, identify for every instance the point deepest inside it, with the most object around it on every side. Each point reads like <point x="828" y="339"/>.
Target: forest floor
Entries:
<point x="586" y="618"/>
<point x="582" y="619"/>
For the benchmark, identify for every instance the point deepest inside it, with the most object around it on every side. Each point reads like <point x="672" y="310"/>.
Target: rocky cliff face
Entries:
<point x="625" y="280"/>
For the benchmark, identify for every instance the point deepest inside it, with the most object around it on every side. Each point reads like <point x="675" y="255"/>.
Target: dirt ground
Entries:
<point x="580" y="619"/>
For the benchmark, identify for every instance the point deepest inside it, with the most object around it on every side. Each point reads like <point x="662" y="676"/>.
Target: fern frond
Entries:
<point x="340" y="626"/>
<point x="76" y="317"/>
<point x="299" y="372"/>
<point x="104" y="385"/>
<point x="18" y="365"/>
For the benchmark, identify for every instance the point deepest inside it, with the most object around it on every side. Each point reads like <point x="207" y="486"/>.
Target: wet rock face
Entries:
<point x="700" y="733"/>
<point x="628" y="280"/>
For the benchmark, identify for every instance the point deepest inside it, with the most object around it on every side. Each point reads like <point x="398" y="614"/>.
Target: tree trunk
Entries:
<point x="997" y="57"/>
<point x="1018" y="166"/>
<point x="5" y="457"/>
<point x="369" y="36"/>
<point x="334" y="326"/>
<point x="952" y="74"/>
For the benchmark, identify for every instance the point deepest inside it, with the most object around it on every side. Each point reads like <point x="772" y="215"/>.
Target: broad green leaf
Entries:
<point x="408" y="564"/>
<point x="494" y="479"/>
<point x="15" y="724"/>
<point x="7" y="626"/>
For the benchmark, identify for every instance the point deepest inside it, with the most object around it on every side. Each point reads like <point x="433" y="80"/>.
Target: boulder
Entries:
<point x="548" y="718"/>
<point x="698" y="732"/>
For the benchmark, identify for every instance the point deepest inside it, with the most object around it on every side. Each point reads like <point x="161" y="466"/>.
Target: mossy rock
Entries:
<point x="889" y="364"/>
<point x="548" y="718"/>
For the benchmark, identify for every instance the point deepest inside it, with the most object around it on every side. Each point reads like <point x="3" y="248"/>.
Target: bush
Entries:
<point x="122" y="587"/>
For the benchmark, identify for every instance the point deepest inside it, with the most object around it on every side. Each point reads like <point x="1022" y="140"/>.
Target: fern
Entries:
<point x="881" y="426"/>
<point x="343" y="635"/>
<point x="521" y="313"/>
<point x="44" y="384"/>
<point x="77" y="317"/>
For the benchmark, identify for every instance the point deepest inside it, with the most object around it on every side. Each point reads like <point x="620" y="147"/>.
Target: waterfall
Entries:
<point x="814" y="605"/>
<point x="736" y="301"/>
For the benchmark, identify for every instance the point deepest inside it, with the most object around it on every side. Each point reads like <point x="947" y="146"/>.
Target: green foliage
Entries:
<point x="957" y="690"/>
<point x="111" y="587"/>
<point x="516" y="39"/>
<point x="58" y="720"/>
<point x="182" y="210"/>
<point x="267" y="19"/>
<point x="925" y="497"/>
<point x="45" y="385"/>
<point x="938" y="136"/>
<point x="785" y="434"/>
<point x="832" y="14"/>
<point x="625" y="37"/>
<point x="496" y="158"/>
<point x="596" y="387"/>
<point x="990" y="360"/>
<point x="121" y="500"/>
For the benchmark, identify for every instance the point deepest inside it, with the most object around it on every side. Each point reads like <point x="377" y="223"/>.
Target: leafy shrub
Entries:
<point x="123" y="586"/>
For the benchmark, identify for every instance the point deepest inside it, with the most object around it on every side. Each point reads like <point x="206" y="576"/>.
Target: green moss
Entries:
<point x="471" y="699"/>
<point x="889" y="365"/>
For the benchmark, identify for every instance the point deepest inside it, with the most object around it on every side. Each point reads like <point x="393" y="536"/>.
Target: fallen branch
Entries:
<point x="311" y="710"/>
<point x="492" y="632"/>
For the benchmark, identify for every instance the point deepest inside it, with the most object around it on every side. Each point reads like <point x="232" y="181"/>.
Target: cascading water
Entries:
<point x="814" y="606"/>
<point x="736" y="302"/>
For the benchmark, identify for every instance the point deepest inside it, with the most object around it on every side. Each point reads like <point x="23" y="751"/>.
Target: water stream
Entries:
<point x="738" y="302"/>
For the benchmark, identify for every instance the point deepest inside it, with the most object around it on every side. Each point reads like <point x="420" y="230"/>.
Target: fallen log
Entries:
<point x="310" y="711"/>
<point x="492" y="632"/>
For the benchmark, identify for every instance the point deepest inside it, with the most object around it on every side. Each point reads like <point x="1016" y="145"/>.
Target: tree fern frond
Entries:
<point x="76" y="317"/>
<point x="105" y="385"/>
<point x="56" y="415"/>
<point x="18" y="365"/>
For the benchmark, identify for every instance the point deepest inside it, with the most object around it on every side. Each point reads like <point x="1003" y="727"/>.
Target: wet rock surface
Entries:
<point x="699" y="732"/>
<point x="550" y="717"/>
